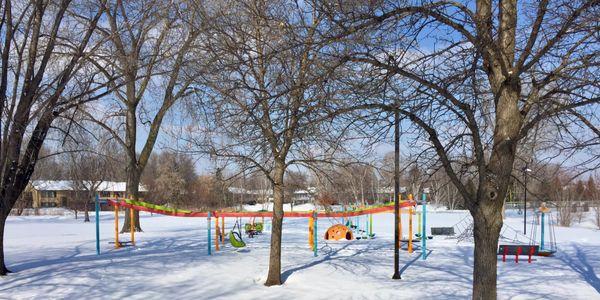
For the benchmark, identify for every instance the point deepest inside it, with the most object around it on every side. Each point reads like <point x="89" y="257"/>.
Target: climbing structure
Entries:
<point x="338" y="232"/>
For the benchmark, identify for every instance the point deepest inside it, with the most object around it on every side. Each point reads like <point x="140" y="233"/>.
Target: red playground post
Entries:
<point x="519" y="251"/>
<point x="504" y="254"/>
<point x="531" y="250"/>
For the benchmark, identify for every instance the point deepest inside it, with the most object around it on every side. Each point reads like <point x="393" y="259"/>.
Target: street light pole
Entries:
<point x="396" y="192"/>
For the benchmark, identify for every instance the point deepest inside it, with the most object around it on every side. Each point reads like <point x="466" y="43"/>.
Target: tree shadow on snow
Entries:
<point x="327" y="257"/>
<point x="76" y="264"/>
<point x="412" y="261"/>
<point x="332" y="257"/>
<point x="580" y="264"/>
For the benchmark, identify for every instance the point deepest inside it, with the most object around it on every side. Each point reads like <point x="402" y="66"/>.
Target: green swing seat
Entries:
<point x="236" y="240"/>
<point x="256" y="227"/>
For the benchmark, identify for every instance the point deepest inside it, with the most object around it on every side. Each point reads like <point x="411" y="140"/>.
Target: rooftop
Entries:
<point x="72" y="185"/>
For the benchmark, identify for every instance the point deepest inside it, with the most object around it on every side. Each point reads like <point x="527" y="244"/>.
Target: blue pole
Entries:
<point x="424" y="228"/>
<point x="208" y="218"/>
<point x="367" y="225"/>
<point x="315" y="234"/>
<point x="542" y="243"/>
<point x="97" y="206"/>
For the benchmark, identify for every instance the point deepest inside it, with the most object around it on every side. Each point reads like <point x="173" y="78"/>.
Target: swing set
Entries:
<point x="534" y="249"/>
<point x="411" y="238"/>
<point x="346" y="230"/>
<point x="252" y="228"/>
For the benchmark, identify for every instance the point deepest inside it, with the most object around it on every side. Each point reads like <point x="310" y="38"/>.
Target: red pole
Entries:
<point x="519" y="250"/>
<point x="504" y="254"/>
<point x="531" y="249"/>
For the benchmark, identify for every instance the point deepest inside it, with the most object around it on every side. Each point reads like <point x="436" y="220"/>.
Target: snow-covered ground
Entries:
<point x="54" y="258"/>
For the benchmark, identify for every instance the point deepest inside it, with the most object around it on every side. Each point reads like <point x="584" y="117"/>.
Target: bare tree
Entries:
<point x="479" y="91"/>
<point x="45" y="47"/>
<point x="49" y="165"/>
<point x="171" y="179"/>
<point x="443" y="192"/>
<point x="294" y="181"/>
<point x="561" y="195"/>
<point x="593" y="196"/>
<point x="267" y="94"/>
<point x="149" y="56"/>
<point x="89" y="166"/>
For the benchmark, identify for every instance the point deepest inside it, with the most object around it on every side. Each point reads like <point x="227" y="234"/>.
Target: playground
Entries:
<point x="57" y="258"/>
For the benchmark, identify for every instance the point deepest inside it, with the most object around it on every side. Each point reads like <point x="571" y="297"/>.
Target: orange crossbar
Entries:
<point x="287" y="214"/>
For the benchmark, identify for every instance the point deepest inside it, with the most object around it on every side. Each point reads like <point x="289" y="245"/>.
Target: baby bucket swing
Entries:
<point x="235" y="235"/>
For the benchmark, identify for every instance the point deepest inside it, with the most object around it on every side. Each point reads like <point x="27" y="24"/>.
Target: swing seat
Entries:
<point x="258" y="227"/>
<point x="255" y="228"/>
<point x="512" y="249"/>
<point x="236" y="240"/>
<point x="546" y="253"/>
<point x="338" y="232"/>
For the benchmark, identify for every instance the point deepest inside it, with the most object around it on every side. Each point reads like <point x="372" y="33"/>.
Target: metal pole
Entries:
<point x="132" y="226"/>
<point x="97" y="207"/>
<point x="311" y="232"/>
<point x="216" y="233"/>
<point x="223" y="229"/>
<point x="410" y="230"/>
<point x="370" y="225"/>
<point x="367" y="226"/>
<point x="419" y="223"/>
<point x="208" y="231"/>
<point x="424" y="230"/>
<point x="525" y="203"/>
<point x="117" y="244"/>
<point x="542" y="242"/>
<point x="396" y="193"/>
<point x="315" y="234"/>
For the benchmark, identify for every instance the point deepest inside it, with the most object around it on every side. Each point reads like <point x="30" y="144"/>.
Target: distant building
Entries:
<point x="251" y="196"/>
<point x="386" y="194"/>
<point x="59" y="193"/>
<point x="304" y="196"/>
<point x="266" y="195"/>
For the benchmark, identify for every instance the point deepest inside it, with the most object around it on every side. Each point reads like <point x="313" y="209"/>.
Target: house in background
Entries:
<point x="59" y="193"/>
<point x="266" y="195"/>
<point x="386" y="194"/>
<point x="251" y="197"/>
<point x="304" y="196"/>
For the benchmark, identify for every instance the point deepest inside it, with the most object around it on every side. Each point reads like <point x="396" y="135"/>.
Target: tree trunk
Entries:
<point x="133" y="184"/>
<point x="6" y="204"/>
<point x="487" y="225"/>
<point x="274" y="275"/>
<point x="86" y="211"/>
<point x="133" y="171"/>
<point x="136" y="217"/>
<point x="3" y="269"/>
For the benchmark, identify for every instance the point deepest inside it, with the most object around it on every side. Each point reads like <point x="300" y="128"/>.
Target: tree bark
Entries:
<point x="133" y="184"/>
<point x="3" y="269"/>
<point x="136" y="217"/>
<point x="133" y="172"/>
<point x="487" y="226"/>
<point x="274" y="274"/>
<point x="133" y="192"/>
<point x="86" y="211"/>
